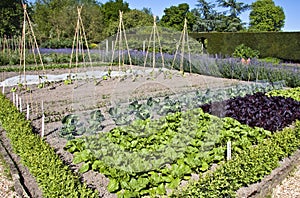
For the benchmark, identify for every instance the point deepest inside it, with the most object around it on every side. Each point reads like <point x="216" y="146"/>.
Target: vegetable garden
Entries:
<point x="148" y="122"/>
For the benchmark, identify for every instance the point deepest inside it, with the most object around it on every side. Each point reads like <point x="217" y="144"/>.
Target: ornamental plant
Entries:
<point x="243" y="51"/>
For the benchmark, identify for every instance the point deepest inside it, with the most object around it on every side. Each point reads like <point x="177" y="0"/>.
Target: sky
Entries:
<point x="291" y="9"/>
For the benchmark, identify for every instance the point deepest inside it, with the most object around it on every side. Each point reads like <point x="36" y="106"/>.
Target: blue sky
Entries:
<point x="291" y="9"/>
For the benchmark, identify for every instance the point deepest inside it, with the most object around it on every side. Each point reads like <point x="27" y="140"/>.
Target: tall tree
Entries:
<point x="11" y="17"/>
<point x="56" y="19"/>
<point x="232" y="22"/>
<point x="175" y="15"/>
<point x="235" y="8"/>
<point x="206" y="16"/>
<point x="206" y="9"/>
<point x="266" y="16"/>
<point x="111" y="10"/>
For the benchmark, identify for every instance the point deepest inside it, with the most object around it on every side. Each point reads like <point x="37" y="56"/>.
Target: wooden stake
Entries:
<point x="27" y="112"/>
<point x="3" y="88"/>
<point x="144" y="46"/>
<point x="228" y="150"/>
<point x="43" y="126"/>
<point x="121" y="33"/>
<point x="17" y="101"/>
<point x="106" y="49"/>
<point x="155" y="35"/>
<point x="14" y="98"/>
<point x="43" y="120"/>
<point x="20" y="104"/>
<point x="184" y="39"/>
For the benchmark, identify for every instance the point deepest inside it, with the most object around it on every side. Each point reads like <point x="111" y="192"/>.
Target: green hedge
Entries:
<point x="282" y="45"/>
<point x="53" y="177"/>
<point x="247" y="168"/>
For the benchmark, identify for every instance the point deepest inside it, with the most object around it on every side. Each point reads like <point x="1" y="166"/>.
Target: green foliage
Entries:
<point x="287" y="93"/>
<point x="57" y="19"/>
<point x="259" y="71"/>
<point x="175" y="15"/>
<point x="235" y="8"/>
<point x="134" y="157"/>
<point x="53" y="177"/>
<point x="72" y="126"/>
<point x="57" y="43"/>
<point x="282" y="45"/>
<point x="249" y="167"/>
<point x="11" y="17"/>
<point x="271" y="60"/>
<point x="206" y="16"/>
<point x="266" y="16"/>
<point x="245" y="52"/>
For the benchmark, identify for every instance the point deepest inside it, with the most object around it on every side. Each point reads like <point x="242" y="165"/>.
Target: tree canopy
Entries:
<point x="11" y="17"/>
<point x="235" y="8"/>
<point x="209" y="19"/>
<point x="175" y="15"/>
<point x="266" y="16"/>
<point x="56" y="19"/>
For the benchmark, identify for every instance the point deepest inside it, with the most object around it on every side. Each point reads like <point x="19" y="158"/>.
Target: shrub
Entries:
<point x="243" y="51"/>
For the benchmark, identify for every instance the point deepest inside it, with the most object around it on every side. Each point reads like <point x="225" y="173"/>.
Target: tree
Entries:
<point x="206" y="9"/>
<point x="231" y="22"/>
<point x="111" y="10"/>
<point x="56" y="19"/>
<point x="266" y="16"/>
<point x="93" y="20"/>
<point x="11" y="17"/>
<point x="235" y="8"/>
<point x="147" y="11"/>
<point x="175" y="15"/>
<point x="207" y="18"/>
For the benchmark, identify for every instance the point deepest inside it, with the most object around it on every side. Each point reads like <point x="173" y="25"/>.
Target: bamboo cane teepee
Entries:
<point x="119" y="45"/>
<point x="183" y="43"/>
<point x="154" y="37"/>
<point x="30" y="36"/>
<point x="79" y="43"/>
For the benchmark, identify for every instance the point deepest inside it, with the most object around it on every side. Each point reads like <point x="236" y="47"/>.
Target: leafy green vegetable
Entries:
<point x="54" y="178"/>
<point x="147" y="157"/>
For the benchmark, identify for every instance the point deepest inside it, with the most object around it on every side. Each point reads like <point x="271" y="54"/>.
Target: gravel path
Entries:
<point x="290" y="187"/>
<point x="6" y="184"/>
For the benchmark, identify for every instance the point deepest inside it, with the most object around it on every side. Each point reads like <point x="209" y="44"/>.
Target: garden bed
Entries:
<point x="60" y="99"/>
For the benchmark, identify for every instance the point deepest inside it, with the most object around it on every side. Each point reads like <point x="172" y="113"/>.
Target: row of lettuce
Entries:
<point x="54" y="178"/>
<point x="153" y="158"/>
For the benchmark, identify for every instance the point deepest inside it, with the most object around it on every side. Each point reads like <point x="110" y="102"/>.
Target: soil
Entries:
<point x="57" y="100"/>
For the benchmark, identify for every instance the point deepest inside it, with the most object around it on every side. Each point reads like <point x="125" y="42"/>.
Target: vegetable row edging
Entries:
<point x="247" y="168"/>
<point x="54" y="178"/>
